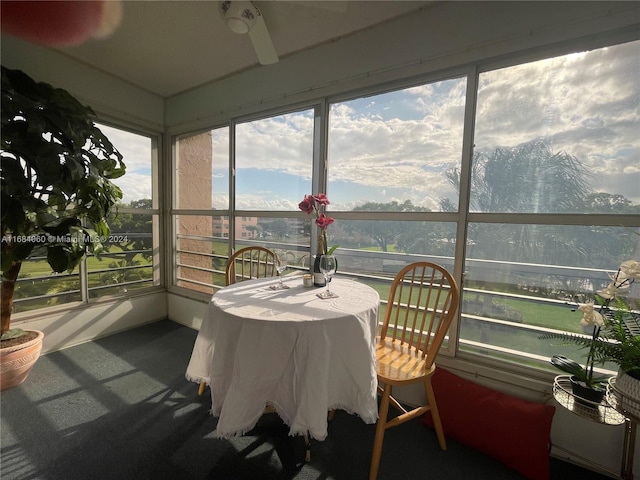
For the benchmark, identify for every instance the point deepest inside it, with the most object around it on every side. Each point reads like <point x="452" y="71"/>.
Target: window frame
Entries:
<point x="82" y="272"/>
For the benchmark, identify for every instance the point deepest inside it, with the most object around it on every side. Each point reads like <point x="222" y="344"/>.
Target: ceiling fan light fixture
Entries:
<point x="245" y="18"/>
<point x="239" y="16"/>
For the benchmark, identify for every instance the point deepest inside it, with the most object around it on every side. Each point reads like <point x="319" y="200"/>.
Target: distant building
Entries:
<point x="246" y="227"/>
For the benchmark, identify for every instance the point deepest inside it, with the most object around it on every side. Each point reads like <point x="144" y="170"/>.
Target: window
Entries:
<point x="274" y="161"/>
<point x="560" y="135"/>
<point x="202" y="167"/>
<point x="392" y="152"/>
<point x="557" y="136"/>
<point x="389" y="155"/>
<point x="130" y="260"/>
<point x="129" y="263"/>
<point x="522" y="280"/>
<point x="273" y="164"/>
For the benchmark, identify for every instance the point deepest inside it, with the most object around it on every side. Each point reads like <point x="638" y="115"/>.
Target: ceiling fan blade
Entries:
<point x="262" y="43"/>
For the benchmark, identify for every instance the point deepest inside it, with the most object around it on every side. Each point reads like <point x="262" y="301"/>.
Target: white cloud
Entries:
<point x="584" y="104"/>
<point x="136" y="152"/>
<point x="134" y="186"/>
<point x="282" y="143"/>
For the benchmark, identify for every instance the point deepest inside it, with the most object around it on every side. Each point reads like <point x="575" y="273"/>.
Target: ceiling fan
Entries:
<point x="243" y="17"/>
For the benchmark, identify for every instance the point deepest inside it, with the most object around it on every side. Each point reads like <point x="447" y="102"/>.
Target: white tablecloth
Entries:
<point x="290" y="349"/>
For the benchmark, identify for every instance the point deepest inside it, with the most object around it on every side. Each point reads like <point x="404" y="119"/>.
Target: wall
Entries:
<point x="71" y="326"/>
<point x="108" y="95"/>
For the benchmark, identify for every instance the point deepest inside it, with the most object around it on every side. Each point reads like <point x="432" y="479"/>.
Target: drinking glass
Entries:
<point x="328" y="268"/>
<point x="281" y="266"/>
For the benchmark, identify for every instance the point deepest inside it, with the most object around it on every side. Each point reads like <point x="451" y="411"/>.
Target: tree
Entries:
<point x="385" y="232"/>
<point x="135" y="241"/>
<point x="253" y="229"/>
<point x="601" y="202"/>
<point x="276" y="226"/>
<point x="136" y="228"/>
<point x="529" y="178"/>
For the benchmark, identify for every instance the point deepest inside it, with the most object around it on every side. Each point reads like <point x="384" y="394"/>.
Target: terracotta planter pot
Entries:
<point x="16" y="361"/>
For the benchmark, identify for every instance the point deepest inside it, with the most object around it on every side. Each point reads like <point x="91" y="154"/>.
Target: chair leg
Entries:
<point x="435" y="415"/>
<point x="201" y="388"/>
<point x="331" y="414"/>
<point x="381" y="426"/>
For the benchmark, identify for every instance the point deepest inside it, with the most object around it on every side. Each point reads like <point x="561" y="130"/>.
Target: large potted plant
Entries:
<point x="615" y="337"/>
<point x="56" y="193"/>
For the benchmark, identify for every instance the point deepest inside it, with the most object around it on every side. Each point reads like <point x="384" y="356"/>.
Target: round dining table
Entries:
<point x="288" y="349"/>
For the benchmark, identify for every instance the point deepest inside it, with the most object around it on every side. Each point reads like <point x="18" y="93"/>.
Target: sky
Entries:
<point x="136" y="150"/>
<point x="397" y="145"/>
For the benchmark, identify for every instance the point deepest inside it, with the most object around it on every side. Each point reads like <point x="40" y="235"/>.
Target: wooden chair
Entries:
<point x="250" y="262"/>
<point x="422" y="303"/>
<point x="244" y="264"/>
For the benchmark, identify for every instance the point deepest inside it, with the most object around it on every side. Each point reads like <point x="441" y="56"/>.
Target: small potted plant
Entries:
<point x="55" y="195"/>
<point x="614" y="338"/>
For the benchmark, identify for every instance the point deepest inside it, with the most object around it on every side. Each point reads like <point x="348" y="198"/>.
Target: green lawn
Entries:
<point x="41" y="267"/>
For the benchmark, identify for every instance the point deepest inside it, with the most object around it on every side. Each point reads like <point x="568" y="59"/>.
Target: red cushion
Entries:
<point x="514" y="431"/>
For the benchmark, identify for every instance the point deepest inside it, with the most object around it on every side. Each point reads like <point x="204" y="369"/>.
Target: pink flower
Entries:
<point x="315" y="205"/>
<point x="323" y="221"/>
<point x="308" y="205"/>
<point x="322" y="199"/>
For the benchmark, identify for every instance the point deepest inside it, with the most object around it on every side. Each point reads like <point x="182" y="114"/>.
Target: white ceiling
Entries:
<point x="168" y="47"/>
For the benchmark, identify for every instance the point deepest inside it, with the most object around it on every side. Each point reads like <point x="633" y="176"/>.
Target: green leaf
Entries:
<point x="574" y="368"/>
<point x="13" y="333"/>
<point x="57" y="258"/>
<point x="569" y="366"/>
<point x="333" y="249"/>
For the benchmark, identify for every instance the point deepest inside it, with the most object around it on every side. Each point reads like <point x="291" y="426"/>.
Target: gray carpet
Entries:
<point x="120" y="408"/>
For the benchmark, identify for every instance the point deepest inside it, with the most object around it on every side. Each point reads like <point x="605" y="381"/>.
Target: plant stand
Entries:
<point x="604" y="413"/>
<point x="618" y="400"/>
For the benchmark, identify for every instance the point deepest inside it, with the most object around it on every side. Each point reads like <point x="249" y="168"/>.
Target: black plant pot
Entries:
<point x="587" y="396"/>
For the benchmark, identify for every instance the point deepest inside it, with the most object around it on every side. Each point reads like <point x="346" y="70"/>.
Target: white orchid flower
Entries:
<point x="620" y="277"/>
<point x="630" y="269"/>
<point x="612" y="290"/>
<point x="609" y="292"/>
<point x="590" y="315"/>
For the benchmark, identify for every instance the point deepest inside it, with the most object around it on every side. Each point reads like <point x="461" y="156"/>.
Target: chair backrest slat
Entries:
<point x="423" y="301"/>
<point x="250" y="262"/>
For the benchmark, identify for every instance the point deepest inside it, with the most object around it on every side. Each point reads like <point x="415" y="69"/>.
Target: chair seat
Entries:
<point x="397" y="363"/>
